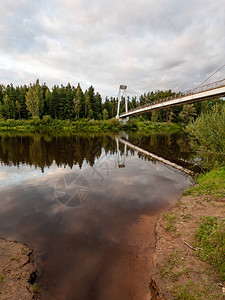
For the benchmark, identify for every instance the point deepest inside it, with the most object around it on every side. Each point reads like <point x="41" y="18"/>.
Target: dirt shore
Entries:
<point x="17" y="271"/>
<point x="178" y="271"/>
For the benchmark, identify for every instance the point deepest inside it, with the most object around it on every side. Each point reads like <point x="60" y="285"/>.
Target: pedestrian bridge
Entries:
<point x="206" y="92"/>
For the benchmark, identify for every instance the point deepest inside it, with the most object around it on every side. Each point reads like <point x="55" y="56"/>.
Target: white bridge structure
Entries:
<point x="210" y="91"/>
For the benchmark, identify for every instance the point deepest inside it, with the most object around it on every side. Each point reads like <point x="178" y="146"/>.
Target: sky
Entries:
<point x="145" y="44"/>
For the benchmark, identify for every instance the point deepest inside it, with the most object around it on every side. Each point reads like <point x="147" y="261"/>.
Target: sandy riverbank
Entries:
<point x="17" y="271"/>
<point x="178" y="271"/>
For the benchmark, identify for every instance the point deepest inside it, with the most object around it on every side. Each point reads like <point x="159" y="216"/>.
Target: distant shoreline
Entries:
<point x="59" y="126"/>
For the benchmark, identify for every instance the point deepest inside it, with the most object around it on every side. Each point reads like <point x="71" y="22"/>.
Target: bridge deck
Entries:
<point x="207" y="92"/>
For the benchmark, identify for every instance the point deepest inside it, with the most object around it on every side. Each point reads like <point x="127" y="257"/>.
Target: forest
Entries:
<point x="72" y="103"/>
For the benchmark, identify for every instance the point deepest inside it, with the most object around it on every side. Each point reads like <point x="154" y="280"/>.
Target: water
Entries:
<point x="87" y="205"/>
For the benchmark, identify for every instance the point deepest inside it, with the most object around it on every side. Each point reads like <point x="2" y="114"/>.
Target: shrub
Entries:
<point x="207" y="133"/>
<point x="47" y="119"/>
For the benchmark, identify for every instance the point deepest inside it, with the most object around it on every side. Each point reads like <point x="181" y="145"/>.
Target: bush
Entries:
<point x="207" y="133"/>
<point x="47" y="119"/>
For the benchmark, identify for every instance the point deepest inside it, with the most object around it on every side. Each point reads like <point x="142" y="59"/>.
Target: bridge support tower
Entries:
<point x="122" y="93"/>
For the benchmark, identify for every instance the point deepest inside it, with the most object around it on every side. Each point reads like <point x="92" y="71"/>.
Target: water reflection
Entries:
<point x="91" y="223"/>
<point x="42" y="150"/>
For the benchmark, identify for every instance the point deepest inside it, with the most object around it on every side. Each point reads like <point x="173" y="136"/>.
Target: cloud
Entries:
<point x="147" y="45"/>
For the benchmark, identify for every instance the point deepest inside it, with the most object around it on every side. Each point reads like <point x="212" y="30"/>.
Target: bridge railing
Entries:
<point x="202" y="88"/>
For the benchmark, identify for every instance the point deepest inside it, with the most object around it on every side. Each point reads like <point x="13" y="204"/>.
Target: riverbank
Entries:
<point x="188" y="262"/>
<point x="48" y="125"/>
<point x="17" y="271"/>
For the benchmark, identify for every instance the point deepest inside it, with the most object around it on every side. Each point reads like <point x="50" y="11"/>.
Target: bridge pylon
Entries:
<point x="122" y="93"/>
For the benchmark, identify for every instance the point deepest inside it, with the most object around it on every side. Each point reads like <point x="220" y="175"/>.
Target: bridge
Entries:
<point x="205" y="92"/>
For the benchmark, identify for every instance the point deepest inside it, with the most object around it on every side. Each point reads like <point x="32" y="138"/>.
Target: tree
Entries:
<point x="155" y="115"/>
<point x="90" y="114"/>
<point x="6" y="107"/>
<point x="98" y="107"/>
<point x="17" y="108"/>
<point x="34" y="100"/>
<point x="87" y="105"/>
<point x="105" y="114"/>
<point x="188" y="113"/>
<point x="80" y="97"/>
<point x="76" y="103"/>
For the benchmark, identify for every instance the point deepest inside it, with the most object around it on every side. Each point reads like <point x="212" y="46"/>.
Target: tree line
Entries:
<point x="70" y="102"/>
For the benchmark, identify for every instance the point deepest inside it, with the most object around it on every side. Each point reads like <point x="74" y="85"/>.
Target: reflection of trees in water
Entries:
<point x="167" y="145"/>
<point x="42" y="150"/>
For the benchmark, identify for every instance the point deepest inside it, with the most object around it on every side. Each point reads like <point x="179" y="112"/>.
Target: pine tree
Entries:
<point x="80" y="97"/>
<point x="17" y="105"/>
<point x="55" y="99"/>
<point x="76" y="107"/>
<point x="87" y="105"/>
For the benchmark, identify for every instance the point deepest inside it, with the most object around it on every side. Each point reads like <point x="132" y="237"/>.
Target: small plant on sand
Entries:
<point x="2" y="280"/>
<point x="170" y="217"/>
<point x="36" y="287"/>
<point x="186" y="292"/>
<point x="174" y="260"/>
<point x="14" y="258"/>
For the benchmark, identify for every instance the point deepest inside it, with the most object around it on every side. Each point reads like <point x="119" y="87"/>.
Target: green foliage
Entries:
<point x="155" y="115"/>
<point x="34" y="100"/>
<point x="105" y="114"/>
<point x="210" y="237"/>
<point x="2" y="279"/>
<point x="208" y="137"/>
<point x="211" y="183"/>
<point x="36" y="287"/>
<point x="186" y="292"/>
<point x="170" y="217"/>
<point x="188" y="113"/>
<point x="47" y="119"/>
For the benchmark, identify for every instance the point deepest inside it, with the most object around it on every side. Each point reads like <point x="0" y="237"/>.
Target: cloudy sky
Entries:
<point x="146" y="44"/>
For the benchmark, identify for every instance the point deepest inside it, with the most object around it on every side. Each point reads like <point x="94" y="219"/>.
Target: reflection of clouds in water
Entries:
<point x="10" y="176"/>
<point x="140" y="181"/>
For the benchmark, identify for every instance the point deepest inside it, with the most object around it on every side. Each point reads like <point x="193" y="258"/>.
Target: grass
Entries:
<point x="211" y="183"/>
<point x="85" y="125"/>
<point x="210" y="237"/>
<point x="188" y="291"/>
<point x="186" y="217"/>
<point x="173" y="260"/>
<point x="170" y="217"/>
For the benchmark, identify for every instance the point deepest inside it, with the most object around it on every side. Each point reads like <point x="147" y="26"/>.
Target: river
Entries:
<point x="88" y="205"/>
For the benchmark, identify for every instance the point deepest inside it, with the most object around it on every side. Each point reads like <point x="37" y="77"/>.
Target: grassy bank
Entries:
<point x="211" y="183"/>
<point x="210" y="235"/>
<point x="190" y="251"/>
<point x="113" y="125"/>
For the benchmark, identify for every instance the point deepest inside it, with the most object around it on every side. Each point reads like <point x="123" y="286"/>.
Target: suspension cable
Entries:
<point x="210" y="77"/>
